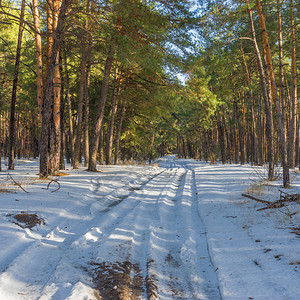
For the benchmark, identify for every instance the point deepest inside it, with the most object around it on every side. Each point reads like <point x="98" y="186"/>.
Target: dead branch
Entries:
<point x="56" y="181"/>
<point x="16" y="183"/>
<point x="256" y="199"/>
<point x="278" y="203"/>
<point x="273" y="205"/>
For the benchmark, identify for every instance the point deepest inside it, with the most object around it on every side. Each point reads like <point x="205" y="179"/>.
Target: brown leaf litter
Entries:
<point x="27" y="220"/>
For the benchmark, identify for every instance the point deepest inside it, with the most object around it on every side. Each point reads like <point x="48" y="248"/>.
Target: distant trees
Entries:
<point x="241" y="79"/>
<point x="99" y="82"/>
<point x="93" y="68"/>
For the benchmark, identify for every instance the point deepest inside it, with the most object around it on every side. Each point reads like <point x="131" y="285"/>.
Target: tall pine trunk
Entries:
<point x="118" y="133"/>
<point x="39" y="56"/>
<point x="70" y="116"/>
<point x="283" y="150"/>
<point x="77" y="145"/>
<point x="293" y="106"/>
<point x="12" y="122"/>
<point x="50" y="137"/>
<point x="87" y="109"/>
<point x="101" y="146"/>
<point x="281" y="71"/>
<point x="100" y="112"/>
<point x="267" y="102"/>
<point x="111" y="122"/>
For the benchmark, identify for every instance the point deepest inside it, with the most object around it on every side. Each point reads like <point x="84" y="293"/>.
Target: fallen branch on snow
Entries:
<point x="16" y="183"/>
<point x="278" y="203"/>
<point x="53" y="180"/>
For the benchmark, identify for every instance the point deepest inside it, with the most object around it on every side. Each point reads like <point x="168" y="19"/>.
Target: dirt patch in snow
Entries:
<point x="119" y="280"/>
<point x="151" y="287"/>
<point x="30" y="220"/>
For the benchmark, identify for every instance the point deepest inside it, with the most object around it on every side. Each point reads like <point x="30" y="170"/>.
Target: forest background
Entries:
<point x="97" y="82"/>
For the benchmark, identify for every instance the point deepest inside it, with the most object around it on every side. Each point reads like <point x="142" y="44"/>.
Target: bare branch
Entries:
<point x="16" y="183"/>
<point x="53" y="180"/>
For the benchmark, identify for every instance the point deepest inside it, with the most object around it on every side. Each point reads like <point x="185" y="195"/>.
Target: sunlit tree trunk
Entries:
<point x="286" y="176"/>
<point x="70" y="116"/>
<point x="87" y="107"/>
<point x="12" y="122"/>
<point x="253" y="130"/>
<point x="111" y="122"/>
<point x="100" y="112"/>
<point x="293" y="106"/>
<point x="39" y="56"/>
<point x="253" y="125"/>
<point x="235" y="135"/>
<point x="241" y="133"/>
<point x="62" y="121"/>
<point x="281" y="71"/>
<point x="86" y="139"/>
<point x="267" y="100"/>
<point x="118" y="133"/>
<point x="50" y="136"/>
<point x="260" y="133"/>
<point x="77" y="145"/>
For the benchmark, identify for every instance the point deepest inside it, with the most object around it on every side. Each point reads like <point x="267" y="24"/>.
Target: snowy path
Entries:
<point x="136" y="235"/>
<point x="177" y="231"/>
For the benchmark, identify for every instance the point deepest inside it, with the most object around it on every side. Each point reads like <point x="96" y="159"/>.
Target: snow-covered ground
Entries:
<point x="178" y="231"/>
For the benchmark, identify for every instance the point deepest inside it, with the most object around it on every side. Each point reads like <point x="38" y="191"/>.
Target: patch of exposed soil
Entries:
<point x="118" y="280"/>
<point x="30" y="220"/>
<point x="151" y="287"/>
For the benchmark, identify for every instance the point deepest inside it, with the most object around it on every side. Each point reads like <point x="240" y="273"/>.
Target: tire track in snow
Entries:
<point x="188" y="272"/>
<point x="194" y="252"/>
<point x="99" y="232"/>
<point x="164" y="262"/>
<point x="129" y="240"/>
<point x="53" y="247"/>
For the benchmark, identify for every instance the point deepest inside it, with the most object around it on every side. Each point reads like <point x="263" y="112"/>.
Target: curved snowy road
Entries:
<point x="136" y="234"/>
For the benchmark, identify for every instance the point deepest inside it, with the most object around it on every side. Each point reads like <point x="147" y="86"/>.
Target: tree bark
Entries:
<point x="77" y="145"/>
<point x="12" y="123"/>
<point x="267" y="102"/>
<point x="100" y="111"/>
<point x="253" y="130"/>
<point x="241" y="132"/>
<point x="286" y="176"/>
<point x="281" y="71"/>
<point x="222" y="137"/>
<point x="34" y="138"/>
<point x="39" y="56"/>
<point x="235" y="135"/>
<point x="101" y="145"/>
<point x="118" y="133"/>
<point x="293" y="106"/>
<point x="87" y="108"/>
<point x="260" y="133"/>
<point x="70" y="116"/>
<point x="87" y="91"/>
<point x="111" y="122"/>
<point x="62" y="121"/>
<point x="50" y="139"/>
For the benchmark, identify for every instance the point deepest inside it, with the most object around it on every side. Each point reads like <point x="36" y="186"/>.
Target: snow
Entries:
<point x="178" y="231"/>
